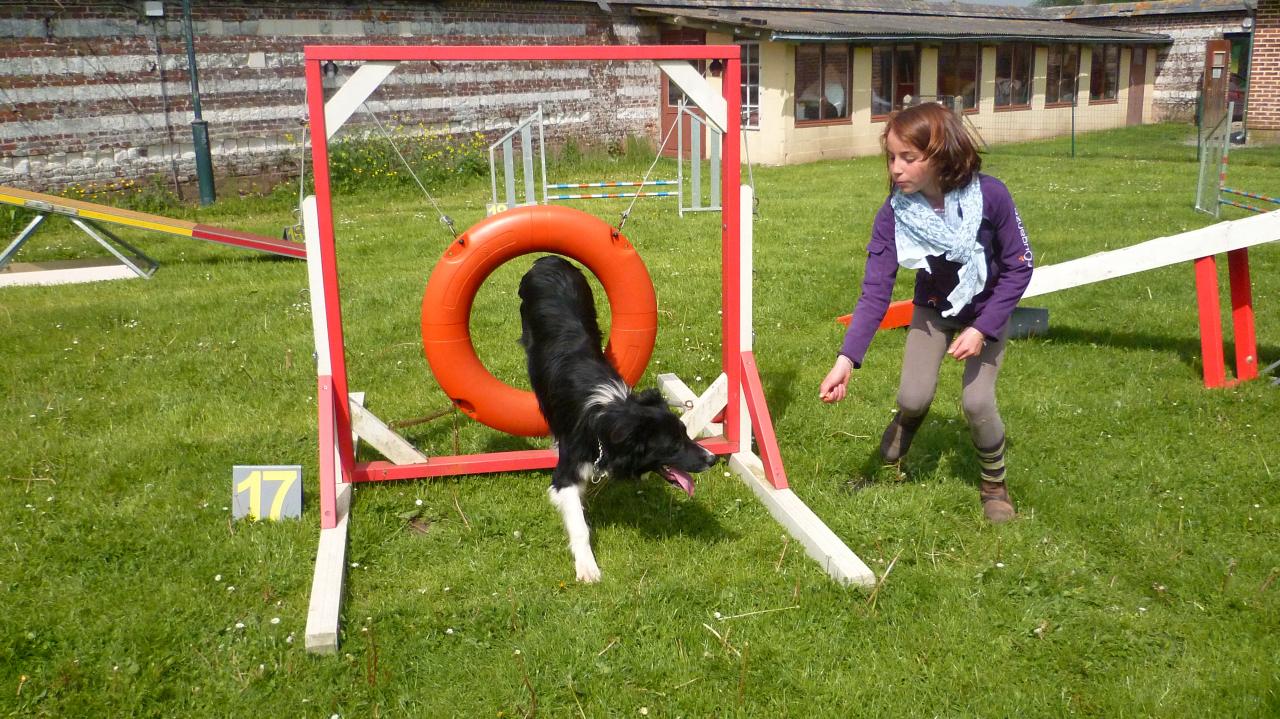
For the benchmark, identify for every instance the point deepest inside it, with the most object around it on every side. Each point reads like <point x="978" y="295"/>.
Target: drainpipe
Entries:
<point x="199" y="128"/>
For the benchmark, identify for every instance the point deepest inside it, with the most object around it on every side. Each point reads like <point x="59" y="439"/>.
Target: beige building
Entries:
<point x="819" y="84"/>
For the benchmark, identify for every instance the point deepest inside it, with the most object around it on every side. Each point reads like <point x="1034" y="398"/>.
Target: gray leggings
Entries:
<point x="927" y="341"/>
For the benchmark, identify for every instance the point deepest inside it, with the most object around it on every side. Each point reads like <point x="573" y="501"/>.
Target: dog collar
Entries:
<point x="600" y="473"/>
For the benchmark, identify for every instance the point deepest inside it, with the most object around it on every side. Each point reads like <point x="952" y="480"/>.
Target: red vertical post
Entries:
<point x="1242" y="315"/>
<point x="1215" y="372"/>
<point x="731" y="248"/>
<point x="329" y="265"/>
<point x="762" y="422"/>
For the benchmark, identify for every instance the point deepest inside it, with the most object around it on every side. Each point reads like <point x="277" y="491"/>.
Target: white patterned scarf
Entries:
<point x="920" y="232"/>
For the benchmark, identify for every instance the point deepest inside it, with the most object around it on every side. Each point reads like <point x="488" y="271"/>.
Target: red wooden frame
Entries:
<point x="335" y="411"/>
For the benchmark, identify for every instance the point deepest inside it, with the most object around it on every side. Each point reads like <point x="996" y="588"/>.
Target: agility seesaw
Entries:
<point x="735" y="400"/>
<point x="1199" y="246"/>
<point x="90" y="216"/>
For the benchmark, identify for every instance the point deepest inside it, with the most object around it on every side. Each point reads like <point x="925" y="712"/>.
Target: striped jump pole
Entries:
<point x="1223" y="189"/>
<point x="1250" y="195"/>
<point x="610" y="195"/>
<point x="583" y="185"/>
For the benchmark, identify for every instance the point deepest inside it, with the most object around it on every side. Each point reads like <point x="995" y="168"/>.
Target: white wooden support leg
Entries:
<point x="324" y="615"/>
<point x="378" y="435"/>
<point x="699" y="411"/>
<point x="818" y="540"/>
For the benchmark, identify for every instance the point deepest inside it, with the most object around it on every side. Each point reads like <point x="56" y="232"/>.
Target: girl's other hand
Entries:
<point x="968" y="343"/>
<point x="835" y="385"/>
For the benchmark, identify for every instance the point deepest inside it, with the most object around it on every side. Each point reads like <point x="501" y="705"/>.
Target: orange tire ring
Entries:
<point x="446" y="306"/>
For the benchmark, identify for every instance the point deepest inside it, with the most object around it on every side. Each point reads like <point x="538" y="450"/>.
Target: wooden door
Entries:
<point x="1213" y="89"/>
<point x="671" y="94"/>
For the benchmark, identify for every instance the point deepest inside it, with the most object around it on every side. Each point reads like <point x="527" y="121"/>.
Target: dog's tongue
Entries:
<point x="678" y="478"/>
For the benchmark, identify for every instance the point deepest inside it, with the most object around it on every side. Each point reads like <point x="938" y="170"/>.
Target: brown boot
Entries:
<point x="996" y="505"/>
<point x="897" y="437"/>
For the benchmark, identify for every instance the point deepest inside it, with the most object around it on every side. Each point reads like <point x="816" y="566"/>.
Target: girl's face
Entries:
<point x="909" y="169"/>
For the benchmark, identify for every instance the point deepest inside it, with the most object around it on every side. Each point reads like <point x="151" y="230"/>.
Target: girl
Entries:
<point x="961" y="232"/>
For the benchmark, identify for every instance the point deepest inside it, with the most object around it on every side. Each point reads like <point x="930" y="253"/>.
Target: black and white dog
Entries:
<point x="601" y="427"/>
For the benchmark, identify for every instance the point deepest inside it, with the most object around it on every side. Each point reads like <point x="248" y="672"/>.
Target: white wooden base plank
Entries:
<point x="326" y="585"/>
<point x="324" y="614"/>
<point x="819" y="541"/>
<point x="699" y="411"/>
<point x="63" y="272"/>
<point x="378" y="435"/>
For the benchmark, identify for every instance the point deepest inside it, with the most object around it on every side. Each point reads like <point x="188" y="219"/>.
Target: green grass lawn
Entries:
<point x="1142" y="578"/>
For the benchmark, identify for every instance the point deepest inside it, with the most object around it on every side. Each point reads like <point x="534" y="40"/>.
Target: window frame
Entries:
<point x="846" y="116"/>
<point x="750" y="110"/>
<point x="1028" y="75"/>
<point x="1111" y="84"/>
<point x="1060" y="50"/>
<point x="894" y="79"/>
<point x="977" y="72"/>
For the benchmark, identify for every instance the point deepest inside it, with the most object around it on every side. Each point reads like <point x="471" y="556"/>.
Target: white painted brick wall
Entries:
<point x="92" y="83"/>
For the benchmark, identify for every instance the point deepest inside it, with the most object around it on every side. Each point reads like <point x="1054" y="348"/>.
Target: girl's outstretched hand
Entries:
<point x="835" y="385"/>
<point x="968" y="343"/>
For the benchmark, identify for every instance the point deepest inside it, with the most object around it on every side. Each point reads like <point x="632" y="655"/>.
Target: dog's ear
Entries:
<point x="651" y="398"/>
<point x="622" y="434"/>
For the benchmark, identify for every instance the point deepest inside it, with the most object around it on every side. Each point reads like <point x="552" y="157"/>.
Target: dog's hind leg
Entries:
<point x="569" y="501"/>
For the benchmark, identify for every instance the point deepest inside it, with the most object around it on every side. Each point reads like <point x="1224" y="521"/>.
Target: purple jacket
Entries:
<point x="1004" y="241"/>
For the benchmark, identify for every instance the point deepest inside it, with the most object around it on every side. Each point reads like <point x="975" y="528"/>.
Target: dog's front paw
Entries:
<point x="588" y="572"/>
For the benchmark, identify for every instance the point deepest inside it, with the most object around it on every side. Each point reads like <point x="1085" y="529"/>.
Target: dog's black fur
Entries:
<point x="601" y="427"/>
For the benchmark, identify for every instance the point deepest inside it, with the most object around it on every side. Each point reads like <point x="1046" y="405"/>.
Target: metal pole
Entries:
<point x="199" y="128"/>
<point x="1075" y="102"/>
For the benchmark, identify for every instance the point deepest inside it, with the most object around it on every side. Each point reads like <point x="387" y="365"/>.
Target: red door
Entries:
<point x="671" y="94"/>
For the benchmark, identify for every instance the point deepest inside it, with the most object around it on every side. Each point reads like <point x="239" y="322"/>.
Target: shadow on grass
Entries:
<point x="614" y="502"/>
<point x="780" y="391"/>
<point x="1187" y="348"/>
<point x="653" y="513"/>
<point x="941" y="436"/>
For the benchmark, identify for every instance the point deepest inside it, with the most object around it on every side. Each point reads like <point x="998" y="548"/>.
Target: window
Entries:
<point x="1104" y="73"/>
<point x="751" y="86"/>
<point x="958" y="73"/>
<point x="822" y="82"/>
<point x="1013" y="74"/>
<point x="1060" y="76"/>
<point x="895" y="72"/>
<point x="675" y="95"/>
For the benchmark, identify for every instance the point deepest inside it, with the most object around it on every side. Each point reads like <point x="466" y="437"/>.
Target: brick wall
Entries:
<point x="95" y="91"/>
<point x="1178" y="66"/>
<point x="1264" y="80"/>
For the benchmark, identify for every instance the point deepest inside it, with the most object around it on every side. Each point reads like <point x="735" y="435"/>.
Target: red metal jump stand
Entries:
<point x="1211" y="340"/>
<point x="743" y="399"/>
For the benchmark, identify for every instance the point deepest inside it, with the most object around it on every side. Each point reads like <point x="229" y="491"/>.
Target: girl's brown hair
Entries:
<point x="936" y="131"/>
